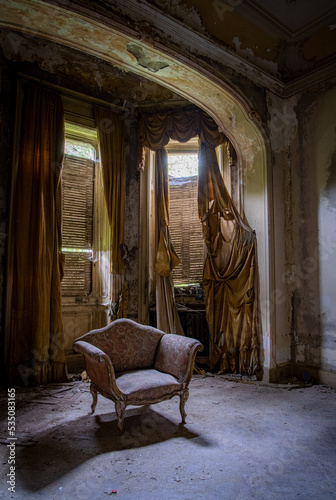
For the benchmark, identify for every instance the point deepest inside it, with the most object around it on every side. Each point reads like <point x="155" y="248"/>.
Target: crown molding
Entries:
<point x="317" y="77"/>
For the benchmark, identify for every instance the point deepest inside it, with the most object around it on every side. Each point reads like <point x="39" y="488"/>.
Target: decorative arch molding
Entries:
<point x="94" y="34"/>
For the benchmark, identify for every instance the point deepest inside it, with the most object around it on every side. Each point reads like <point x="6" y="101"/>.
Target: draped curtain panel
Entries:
<point x="229" y="271"/>
<point x="36" y="351"/>
<point x="111" y="137"/>
<point x="166" y="258"/>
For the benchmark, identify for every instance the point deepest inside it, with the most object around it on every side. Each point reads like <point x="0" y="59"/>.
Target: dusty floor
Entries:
<point x="243" y="440"/>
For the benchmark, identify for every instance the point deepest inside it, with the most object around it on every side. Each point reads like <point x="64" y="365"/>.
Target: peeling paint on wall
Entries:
<point x="249" y="55"/>
<point x="84" y="69"/>
<point x="188" y="14"/>
<point x="144" y="60"/>
<point x="282" y="122"/>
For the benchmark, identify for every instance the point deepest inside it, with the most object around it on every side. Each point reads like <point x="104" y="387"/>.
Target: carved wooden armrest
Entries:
<point x="176" y="356"/>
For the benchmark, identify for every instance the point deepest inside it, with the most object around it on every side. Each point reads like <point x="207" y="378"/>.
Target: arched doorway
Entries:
<point x="90" y="33"/>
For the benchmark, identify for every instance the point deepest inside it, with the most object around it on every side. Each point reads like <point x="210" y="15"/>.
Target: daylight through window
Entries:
<point x="185" y="226"/>
<point x="77" y="198"/>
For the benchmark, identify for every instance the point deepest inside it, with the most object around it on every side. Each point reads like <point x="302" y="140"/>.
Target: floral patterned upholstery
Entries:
<point x="114" y="340"/>
<point x="173" y="355"/>
<point x="135" y="364"/>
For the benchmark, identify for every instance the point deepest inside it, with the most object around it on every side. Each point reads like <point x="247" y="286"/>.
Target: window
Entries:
<point x="78" y="208"/>
<point x="185" y="226"/>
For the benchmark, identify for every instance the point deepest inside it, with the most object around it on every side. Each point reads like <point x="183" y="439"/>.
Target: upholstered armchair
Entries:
<point x="133" y="364"/>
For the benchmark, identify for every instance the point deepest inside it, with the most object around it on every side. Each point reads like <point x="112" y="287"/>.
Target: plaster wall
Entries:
<point x="302" y="133"/>
<point x="320" y="134"/>
<point x="303" y="268"/>
<point x="282" y="130"/>
<point x="254" y="196"/>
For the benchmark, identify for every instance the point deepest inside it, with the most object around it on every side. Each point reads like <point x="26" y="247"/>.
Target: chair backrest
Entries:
<point x="130" y="346"/>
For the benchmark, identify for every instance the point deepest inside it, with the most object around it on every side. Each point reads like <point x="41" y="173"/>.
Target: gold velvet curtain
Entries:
<point x="36" y="351"/>
<point x="229" y="271"/>
<point x="111" y="136"/>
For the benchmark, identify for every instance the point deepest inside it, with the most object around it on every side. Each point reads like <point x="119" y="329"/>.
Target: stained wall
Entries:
<point x="302" y="137"/>
<point x="314" y="293"/>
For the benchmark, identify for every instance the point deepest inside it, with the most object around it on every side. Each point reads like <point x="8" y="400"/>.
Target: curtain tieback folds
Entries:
<point x="166" y="258"/>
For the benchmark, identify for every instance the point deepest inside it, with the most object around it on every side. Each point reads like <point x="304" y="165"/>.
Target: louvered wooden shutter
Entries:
<point x="186" y="230"/>
<point x="77" y="194"/>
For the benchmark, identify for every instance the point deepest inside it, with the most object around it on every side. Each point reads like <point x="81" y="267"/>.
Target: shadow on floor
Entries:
<point x="60" y="449"/>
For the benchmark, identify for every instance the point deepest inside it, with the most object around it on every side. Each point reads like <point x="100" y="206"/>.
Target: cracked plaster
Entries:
<point x="63" y="61"/>
<point x="282" y="122"/>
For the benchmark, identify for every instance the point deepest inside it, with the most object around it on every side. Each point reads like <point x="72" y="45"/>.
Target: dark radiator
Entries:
<point x="193" y="322"/>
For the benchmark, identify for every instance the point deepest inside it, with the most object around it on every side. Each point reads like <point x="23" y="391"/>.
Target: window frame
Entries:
<point x="100" y="289"/>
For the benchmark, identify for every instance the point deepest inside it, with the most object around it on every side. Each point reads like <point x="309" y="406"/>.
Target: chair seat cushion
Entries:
<point x="146" y="385"/>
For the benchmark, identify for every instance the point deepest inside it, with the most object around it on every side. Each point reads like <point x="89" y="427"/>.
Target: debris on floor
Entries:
<point x="248" y="440"/>
<point x="85" y="377"/>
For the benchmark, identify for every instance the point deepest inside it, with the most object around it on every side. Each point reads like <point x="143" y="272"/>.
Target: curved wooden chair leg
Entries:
<point x="93" y="391"/>
<point x="120" y="410"/>
<point x="183" y="399"/>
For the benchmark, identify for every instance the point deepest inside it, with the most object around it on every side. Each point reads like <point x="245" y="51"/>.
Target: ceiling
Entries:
<point x="293" y="17"/>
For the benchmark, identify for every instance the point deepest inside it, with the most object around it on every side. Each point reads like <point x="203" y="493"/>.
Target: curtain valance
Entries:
<point x="157" y="129"/>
